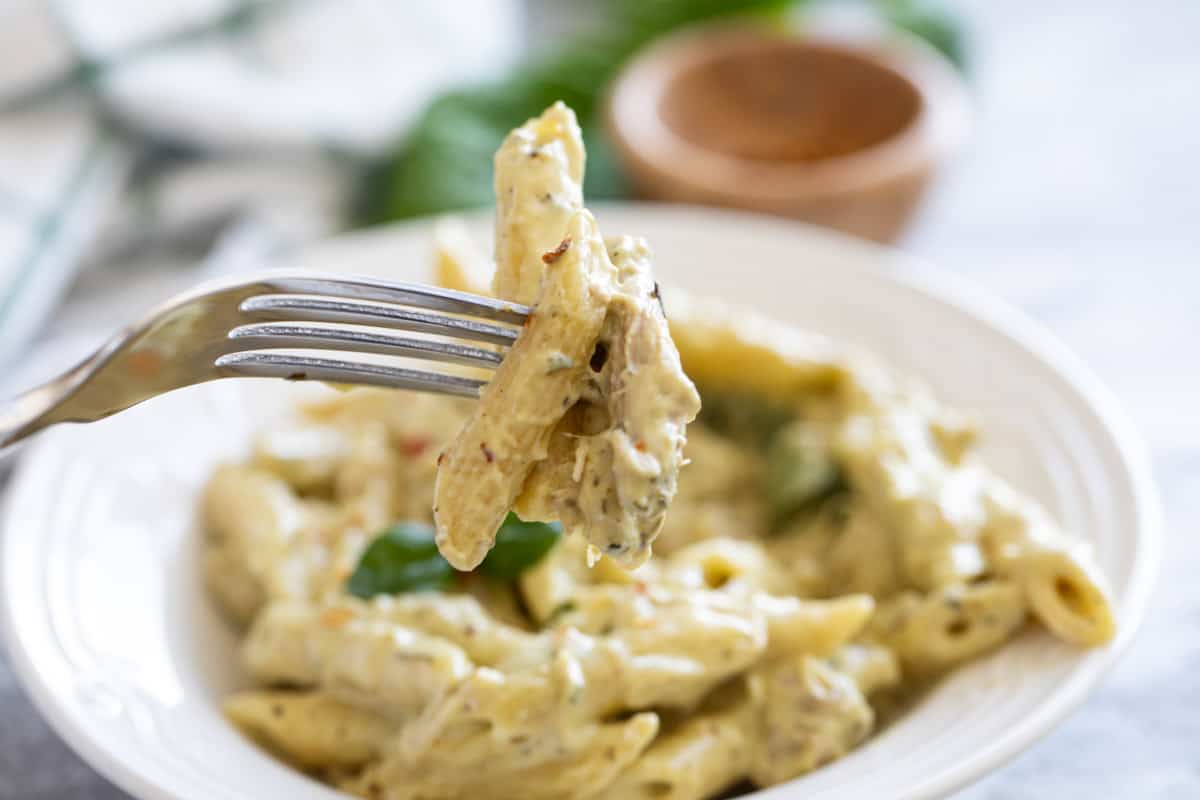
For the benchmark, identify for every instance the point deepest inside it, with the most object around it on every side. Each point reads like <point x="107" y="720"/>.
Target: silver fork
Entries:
<point x="244" y="327"/>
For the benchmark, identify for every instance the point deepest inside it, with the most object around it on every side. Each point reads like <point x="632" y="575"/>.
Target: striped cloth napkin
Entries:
<point x="130" y="127"/>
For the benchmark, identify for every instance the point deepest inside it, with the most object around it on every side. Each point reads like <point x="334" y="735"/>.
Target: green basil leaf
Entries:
<point x="404" y="558"/>
<point x="801" y="473"/>
<point x="746" y="417"/>
<point x="445" y="163"/>
<point x="933" y="22"/>
<point x="519" y="545"/>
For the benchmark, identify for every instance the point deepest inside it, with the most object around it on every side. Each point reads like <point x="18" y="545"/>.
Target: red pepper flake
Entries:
<point x="413" y="446"/>
<point x="441" y="457"/>
<point x="552" y="256"/>
<point x="528" y="320"/>
<point x="487" y="454"/>
<point x="640" y="446"/>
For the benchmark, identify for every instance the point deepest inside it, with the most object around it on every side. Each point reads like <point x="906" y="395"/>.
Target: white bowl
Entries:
<point x="109" y="629"/>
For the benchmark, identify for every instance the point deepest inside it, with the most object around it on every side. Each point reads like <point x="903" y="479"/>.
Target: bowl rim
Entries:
<point x="913" y="274"/>
<point x="936" y="130"/>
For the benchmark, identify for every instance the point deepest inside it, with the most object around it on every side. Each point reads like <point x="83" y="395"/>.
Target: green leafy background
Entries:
<point x="445" y="162"/>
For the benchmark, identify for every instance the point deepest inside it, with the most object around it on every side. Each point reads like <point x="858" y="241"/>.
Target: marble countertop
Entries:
<point x="1078" y="201"/>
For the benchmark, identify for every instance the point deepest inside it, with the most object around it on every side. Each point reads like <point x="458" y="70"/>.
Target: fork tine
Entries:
<point x="336" y="370"/>
<point x="407" y="294"/>
<point x="302" y="308"/>
<point x="147" y="359"/>
<point x="269" y="335"/>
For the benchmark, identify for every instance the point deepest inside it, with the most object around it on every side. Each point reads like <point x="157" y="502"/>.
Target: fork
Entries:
<point x="245" y="328"/>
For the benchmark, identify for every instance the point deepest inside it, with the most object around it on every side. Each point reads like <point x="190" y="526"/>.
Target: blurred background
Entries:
<point x="1044" y="150"/>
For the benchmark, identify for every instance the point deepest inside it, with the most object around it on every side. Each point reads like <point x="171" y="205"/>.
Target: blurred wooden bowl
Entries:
<point x="837" y="133"/>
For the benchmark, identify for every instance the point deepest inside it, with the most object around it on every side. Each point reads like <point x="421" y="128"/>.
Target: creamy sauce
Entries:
<point x="586" y="420"/>
<point x="832" y="543"/>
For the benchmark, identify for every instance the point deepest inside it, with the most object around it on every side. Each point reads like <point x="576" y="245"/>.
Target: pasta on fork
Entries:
<point x="450" y="600"/>
<point x="584" y="421"/>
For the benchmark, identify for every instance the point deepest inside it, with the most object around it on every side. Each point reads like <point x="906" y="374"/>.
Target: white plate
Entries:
<point x="109" y="629"/>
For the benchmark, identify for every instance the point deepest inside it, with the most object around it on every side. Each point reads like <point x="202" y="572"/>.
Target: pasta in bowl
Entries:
<point x="832" y="547"/>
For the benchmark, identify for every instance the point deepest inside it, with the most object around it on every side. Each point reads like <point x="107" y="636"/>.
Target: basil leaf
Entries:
<point x="519" y="545"/>
<point x="446" y="161"/>
<point x="404" y="558"/>
<point x="746" y="417"/>
<point x="933" y="22"/>
<point x="801" y="473"/>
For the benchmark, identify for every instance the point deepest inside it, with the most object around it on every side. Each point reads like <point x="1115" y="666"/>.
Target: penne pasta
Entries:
<point x="826" y="541"/>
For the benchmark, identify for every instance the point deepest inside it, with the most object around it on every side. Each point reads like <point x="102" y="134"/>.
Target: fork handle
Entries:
<point x="28" y="413"/>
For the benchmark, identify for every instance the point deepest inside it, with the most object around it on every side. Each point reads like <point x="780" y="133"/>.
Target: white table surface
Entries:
<point x="1078" y="200"/>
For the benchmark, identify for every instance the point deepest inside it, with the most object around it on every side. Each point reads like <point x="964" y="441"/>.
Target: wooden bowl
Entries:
<point x="841" y="134"/>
